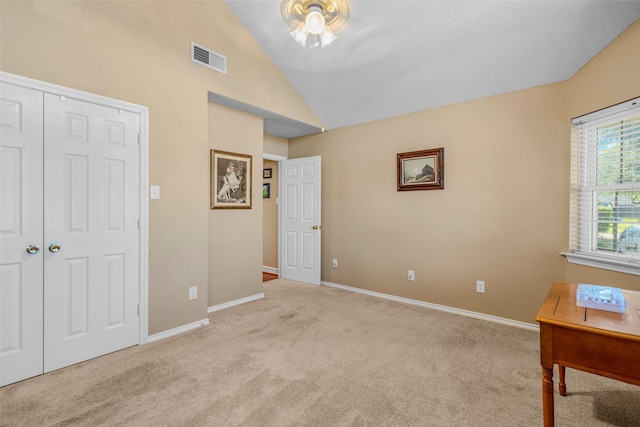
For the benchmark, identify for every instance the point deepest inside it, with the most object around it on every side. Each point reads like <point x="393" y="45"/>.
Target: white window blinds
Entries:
<point x="605" y="184"/>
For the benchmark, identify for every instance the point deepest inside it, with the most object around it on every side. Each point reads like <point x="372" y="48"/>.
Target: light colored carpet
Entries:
<point x="318" y="356"/>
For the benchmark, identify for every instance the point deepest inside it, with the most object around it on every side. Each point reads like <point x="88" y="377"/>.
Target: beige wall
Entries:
<point x="270" y="219"/>
<point x="500" y="218"/>
<point x="276" y="145"/>
<point x="140" y="52"/>
<point x="235" y="257"/>
<point x="609" y="78"/>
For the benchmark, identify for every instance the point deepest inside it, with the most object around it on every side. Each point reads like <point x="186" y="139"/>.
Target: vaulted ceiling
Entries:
<point x="395" y="57"/>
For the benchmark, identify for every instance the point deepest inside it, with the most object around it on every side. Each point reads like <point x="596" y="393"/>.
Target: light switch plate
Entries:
<point x="155" y="192"/>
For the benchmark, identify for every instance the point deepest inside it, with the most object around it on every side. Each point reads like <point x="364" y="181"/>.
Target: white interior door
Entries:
<point x="300" y="238"/>
<point x="21" y="220"/>
<point x="91" y="195"/>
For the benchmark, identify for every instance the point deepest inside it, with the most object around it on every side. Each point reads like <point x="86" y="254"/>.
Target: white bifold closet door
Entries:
<point x="70" y="231"/>
<point x="21" y="229"/>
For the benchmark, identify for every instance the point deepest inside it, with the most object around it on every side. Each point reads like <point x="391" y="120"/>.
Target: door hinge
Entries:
<point x="139" y="310"/>
<point x="139" y="139"/>
<point x="138" y="223"/>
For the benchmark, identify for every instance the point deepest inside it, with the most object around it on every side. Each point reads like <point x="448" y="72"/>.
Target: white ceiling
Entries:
<point x="395" y="57"/>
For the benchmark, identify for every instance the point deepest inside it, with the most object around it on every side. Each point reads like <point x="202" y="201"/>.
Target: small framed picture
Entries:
<point x="266" y="191"/>
<point x="266" y="173"/>
<point x="230" y="180"/>
<point x="421" y="170"/>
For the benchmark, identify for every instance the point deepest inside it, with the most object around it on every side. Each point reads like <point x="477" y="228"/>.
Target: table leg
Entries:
<point x="547" y="396"/>
<point x="563" y="385"/>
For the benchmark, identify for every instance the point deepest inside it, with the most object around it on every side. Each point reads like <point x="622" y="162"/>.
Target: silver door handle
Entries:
<point x="33" y="249"/>
<point x="54" y="247"/>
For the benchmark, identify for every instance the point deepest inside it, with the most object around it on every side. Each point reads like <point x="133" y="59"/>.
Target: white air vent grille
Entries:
<point x="208" y="58"/>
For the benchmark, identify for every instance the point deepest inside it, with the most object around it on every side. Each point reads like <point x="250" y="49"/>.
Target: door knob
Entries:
<point x="316" y="227"/>
<point x="54" y="247"/>
<point x="33" y="249"/>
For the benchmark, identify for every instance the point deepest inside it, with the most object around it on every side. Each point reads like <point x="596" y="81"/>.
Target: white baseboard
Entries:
<point x="235" y="302"/>
<point x="203" y="322"/>
<point x="175" y="331"/>
<point x="475" y="315"/>
<point x="270" y="270"/>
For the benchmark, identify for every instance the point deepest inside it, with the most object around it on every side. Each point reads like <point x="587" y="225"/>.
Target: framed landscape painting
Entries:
<point x="230" y="180"/>
<point x="421" y="170"/>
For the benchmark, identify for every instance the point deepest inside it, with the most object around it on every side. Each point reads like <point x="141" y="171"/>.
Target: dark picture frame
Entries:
<point x="421" y="170"/>
<point x="231" y="175"/>
<point x="266" y="173"/>
<point x="266" y="191"/>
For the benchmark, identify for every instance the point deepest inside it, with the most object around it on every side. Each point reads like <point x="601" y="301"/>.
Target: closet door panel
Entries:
<point x="21" y="231"/>
<point x="92" y="205"/>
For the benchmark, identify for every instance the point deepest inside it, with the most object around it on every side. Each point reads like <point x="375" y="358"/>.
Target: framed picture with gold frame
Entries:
<point x="421" y="170"/>
<point x="230" y="180"/>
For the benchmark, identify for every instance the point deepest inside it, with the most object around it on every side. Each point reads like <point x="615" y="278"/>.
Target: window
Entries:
<point x="605" y="189"/>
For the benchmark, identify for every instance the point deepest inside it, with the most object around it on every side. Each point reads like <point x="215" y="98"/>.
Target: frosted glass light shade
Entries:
<point x="327" y="36"/>
<point x="300" y="34"/>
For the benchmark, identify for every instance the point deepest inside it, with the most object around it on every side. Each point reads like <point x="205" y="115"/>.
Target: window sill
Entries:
<point x="621" y="266"/>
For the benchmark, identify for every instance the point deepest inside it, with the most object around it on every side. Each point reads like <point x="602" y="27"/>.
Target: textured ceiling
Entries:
<point x="397" y="57"/>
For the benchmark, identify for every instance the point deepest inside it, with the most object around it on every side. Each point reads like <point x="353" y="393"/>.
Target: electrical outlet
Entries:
<point x="335" y="263"/>
<point x="480" y="286"/>
<point x="193" y="293"/>
<point x="411" y="276"/>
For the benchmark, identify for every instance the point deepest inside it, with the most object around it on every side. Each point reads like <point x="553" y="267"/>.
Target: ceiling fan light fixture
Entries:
<point x="313" y="22"/>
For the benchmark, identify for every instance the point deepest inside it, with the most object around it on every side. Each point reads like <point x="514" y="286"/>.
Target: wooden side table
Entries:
<point x="595" y="341"/>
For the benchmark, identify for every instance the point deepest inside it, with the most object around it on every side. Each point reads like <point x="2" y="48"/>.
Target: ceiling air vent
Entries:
<point x="208" y="58"/>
